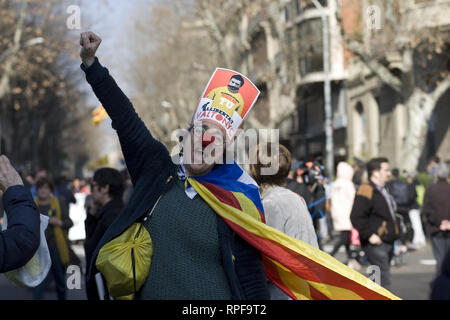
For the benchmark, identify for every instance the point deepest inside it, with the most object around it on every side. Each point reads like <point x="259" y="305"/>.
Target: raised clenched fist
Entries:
<point x="8" y="175"/>
<point x="89" y="43"/>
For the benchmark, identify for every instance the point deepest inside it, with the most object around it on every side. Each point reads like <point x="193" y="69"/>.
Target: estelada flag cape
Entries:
<point x="297" y="268"/>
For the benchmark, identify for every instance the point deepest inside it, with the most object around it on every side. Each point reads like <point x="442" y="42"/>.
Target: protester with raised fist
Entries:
<point x="196" y="255"/>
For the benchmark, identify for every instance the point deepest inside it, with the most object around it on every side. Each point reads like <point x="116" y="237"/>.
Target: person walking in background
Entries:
<point x="128" y="186"/>
<point x="418" y="240"/>
<point x="342" y="196"/>
<point x="41" y="173"/>
<point x="56" y="235"/>
<point x="63" y="193"/>
<point x="297" y="184"/>
<point x="19" y="242"/>
<point x="373" y="215"/>
<point x="399" y="190"/>
<point x="432" y="164"/>
<point x="436" y="209"/>
<point x="107" y="189"/>
<point x="284" y="209"/>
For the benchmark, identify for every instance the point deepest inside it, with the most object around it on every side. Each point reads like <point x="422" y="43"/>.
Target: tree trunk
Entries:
<point x="420" y="106"/>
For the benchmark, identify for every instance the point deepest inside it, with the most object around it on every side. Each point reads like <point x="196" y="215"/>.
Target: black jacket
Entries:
<point x="96" y="227"/>
<point x="150" y="167"/>
<point x="370" y="215"/>
<point x="20" y="241"/>
<point x="301" y="189"/>
<point x="436" y="206"/>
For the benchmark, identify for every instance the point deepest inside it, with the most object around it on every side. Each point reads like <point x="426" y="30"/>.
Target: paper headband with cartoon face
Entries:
<point x="226" y="101"/>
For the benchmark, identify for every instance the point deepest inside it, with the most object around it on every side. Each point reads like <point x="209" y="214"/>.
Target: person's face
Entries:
<point x="234" y="85"/>
<point x="383" y="174"/>
<point x="203" y="148"/>
<point x="98" y="193"/>
<point x="44" y="192"/>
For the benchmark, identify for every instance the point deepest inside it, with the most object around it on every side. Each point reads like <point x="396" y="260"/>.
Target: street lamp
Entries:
<point x="327" y="92"/>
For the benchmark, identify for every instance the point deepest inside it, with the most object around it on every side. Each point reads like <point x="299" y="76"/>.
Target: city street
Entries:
<point x="410" y="281"/>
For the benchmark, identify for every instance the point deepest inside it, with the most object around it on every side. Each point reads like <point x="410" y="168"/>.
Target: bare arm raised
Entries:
<point x="140" y="149"/>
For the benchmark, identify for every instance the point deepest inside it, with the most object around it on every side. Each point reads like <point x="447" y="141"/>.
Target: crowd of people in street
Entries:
<point x="197" y="253"/>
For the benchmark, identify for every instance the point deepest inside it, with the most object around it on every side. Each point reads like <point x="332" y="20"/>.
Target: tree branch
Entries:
<point x="441" y="89"/>
<point x="4" y="81"/>
<point x="381" y="71"/>
<point x="12" y="51"/>
<point x="217" y="35"/>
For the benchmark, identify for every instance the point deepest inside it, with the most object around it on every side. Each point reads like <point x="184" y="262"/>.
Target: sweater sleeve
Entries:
<point x="138" y="145"/>
<point x="20" y="241"/>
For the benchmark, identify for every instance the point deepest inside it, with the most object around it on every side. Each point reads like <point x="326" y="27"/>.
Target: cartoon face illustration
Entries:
<point x="236" y="82"/>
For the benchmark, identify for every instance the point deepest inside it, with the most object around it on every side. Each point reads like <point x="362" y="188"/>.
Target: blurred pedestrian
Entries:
<point x="297" y="184"/>
<point x="56" y="235"/>
<point x="418" y="240"/>
<point x="400" y="191"/>
<point x="342" y="196"/>
<point x="284" y="209"/>
<point x="358" y="173"/>
<point x="373" y="215"/>
<point x="63" y="193"/>
<point x="107" y="189"/>
<point x="431" y="167"/>
<point x="19" y="242"/>
<point x="436" y="209"/>
<point x="128" y="186"/>
<point x="318" y="208"/>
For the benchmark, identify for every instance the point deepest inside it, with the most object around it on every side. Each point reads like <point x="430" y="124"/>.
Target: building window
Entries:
<point x="310" y="46"/>
<point x="259" y="50"/>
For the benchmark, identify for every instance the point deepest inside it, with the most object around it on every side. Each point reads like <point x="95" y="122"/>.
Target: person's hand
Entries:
<point x="8" y="175"/>
<point x="55" y="221"/>
<point x="375" y="240"/>
<point x="89" y="43"/>
<point x="445" y="225"/>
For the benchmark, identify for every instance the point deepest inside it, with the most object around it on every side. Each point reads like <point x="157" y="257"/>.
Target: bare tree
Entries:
<point x="41" y="107"/>
<point x="170" y="68"/>
<point x="420" y="78"/>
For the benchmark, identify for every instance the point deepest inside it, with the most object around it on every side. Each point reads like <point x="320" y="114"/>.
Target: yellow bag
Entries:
<point x="125" y="261"/>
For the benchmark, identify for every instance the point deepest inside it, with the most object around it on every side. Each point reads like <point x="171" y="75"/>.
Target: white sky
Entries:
<point x="110" y="19"/>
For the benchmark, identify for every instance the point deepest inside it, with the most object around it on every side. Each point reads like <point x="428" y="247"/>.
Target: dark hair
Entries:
<point x="111" y="177"/>
<point x="375" y="164"/>
<point x="435" y="159"/>
<point x="44" y="181"/>
<point x="284" y="166"/>
<point x="239" y="78"/>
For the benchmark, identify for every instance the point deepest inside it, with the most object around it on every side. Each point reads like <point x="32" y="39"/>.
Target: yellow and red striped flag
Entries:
<point x="98" y="115"/>
<point x="297" y="268"/>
